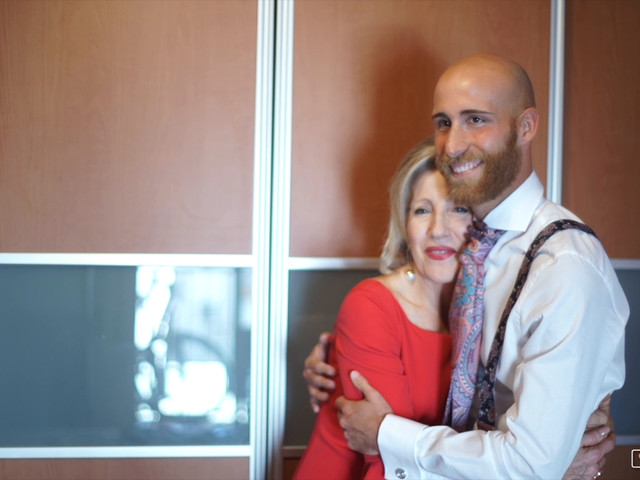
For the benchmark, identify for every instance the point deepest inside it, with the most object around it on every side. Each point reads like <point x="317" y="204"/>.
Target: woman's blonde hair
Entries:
<point x="419" y="160"/>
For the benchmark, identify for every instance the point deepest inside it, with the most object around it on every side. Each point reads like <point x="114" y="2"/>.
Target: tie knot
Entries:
<point x="482" y="238"/>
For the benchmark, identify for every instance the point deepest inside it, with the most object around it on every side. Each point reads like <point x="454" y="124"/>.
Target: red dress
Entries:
<point x="411" y="368"/>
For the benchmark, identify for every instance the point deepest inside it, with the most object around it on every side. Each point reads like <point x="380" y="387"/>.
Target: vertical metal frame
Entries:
<point x="281" y="203"/>
<point x="272" y="185"/>
<point x="261" y="233"/>
<point x="556" y="101"/>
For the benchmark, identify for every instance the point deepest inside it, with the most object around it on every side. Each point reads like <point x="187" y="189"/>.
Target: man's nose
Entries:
<point x="456" y="142"/>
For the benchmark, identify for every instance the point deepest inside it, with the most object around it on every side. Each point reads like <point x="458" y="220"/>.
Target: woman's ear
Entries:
<point x="528" y="125"/>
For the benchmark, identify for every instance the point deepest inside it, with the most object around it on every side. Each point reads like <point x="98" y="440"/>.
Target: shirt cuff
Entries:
<point x="396" y="441"/>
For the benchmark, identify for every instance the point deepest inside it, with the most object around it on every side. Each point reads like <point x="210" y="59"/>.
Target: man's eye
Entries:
<point x="442" y="124"/>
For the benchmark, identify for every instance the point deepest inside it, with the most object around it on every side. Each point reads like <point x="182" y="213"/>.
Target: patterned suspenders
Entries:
<point x="487" y="413"/>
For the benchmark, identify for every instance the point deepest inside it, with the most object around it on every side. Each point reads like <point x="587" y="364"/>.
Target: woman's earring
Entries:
<point x="410" y="274"/>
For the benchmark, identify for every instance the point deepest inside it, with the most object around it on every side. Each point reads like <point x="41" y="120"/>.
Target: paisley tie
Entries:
<point x="466" y="315"/>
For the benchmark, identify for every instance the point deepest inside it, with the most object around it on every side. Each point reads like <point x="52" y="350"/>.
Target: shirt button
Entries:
<point x="400" y="473"/>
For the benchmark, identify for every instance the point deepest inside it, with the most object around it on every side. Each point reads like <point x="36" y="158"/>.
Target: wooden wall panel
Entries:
<point x="364" y="74"/>
<point x="126" y="126"/>
<point x="126" y="469"/>
<point x="617" y="467"/>
<point x="602" y="115"/>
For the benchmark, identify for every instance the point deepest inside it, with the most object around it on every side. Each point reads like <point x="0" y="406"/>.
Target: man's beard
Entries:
<point x="500" y="170"/>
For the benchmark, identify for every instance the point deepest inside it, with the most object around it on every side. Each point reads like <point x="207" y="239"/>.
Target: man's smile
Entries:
<point x="459" y="168"/>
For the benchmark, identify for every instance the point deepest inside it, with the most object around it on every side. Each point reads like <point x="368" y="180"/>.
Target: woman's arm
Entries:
<point x="368" y="339"/>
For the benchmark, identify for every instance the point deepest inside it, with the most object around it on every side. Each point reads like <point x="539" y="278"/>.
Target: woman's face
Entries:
<point x="436" y="228"/>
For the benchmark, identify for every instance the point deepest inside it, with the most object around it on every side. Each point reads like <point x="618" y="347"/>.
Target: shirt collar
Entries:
<point x="516" y="211"/>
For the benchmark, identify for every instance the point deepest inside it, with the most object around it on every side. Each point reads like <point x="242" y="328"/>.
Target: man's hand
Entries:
<point x="318" y="373"/>
<point x="598" y="440"/>
<point x="360" y="420"/>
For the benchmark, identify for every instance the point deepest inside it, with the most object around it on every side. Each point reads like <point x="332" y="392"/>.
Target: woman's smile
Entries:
<point x="440" y="252"/>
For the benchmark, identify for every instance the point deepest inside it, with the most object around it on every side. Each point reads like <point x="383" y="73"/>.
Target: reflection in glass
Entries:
<point x="124" y="355"/>
<point x="186" y="325"/>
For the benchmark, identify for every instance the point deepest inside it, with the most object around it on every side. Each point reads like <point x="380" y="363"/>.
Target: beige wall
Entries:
<point x="126" y="126"/>
<point x="363" y="98"/>
<point x="126" y="469"/>
<point x="602" y="121"/>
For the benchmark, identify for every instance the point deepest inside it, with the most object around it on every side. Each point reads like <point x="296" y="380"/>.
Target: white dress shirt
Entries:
<point x="563" y="353"/>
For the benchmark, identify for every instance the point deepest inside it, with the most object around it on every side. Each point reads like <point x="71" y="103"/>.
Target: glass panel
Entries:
<point x="624" y="402"/>
<point x="124" y="355"/>
<point x="314" y="301"/>
<point x="315" y="297"/>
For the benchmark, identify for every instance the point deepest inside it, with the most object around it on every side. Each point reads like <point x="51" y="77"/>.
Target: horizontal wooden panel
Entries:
<point x="618" y="466"/>
<point x="127" y="126"/>
<point x="601" y="121"/>
<point x="126" y="469"/>
<point x="363" y="98"/>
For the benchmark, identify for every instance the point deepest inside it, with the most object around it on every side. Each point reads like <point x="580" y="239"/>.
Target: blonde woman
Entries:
<point x="393" y="328"/>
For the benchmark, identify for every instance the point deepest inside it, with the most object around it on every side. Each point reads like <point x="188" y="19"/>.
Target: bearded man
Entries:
<point x="562" y="348"/>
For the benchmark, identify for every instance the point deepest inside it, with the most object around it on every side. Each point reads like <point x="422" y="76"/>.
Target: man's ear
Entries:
<point x="527" y="125"/>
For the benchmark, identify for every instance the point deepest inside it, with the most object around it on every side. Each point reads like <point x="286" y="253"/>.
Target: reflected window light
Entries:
<point x="153" y="290"/>
<point x="125" y="355"/>
<point x="194" y="388"/>
<point x="145" y="414"/>
<point x="145" y="380"/>
<point x="186" y="331"/>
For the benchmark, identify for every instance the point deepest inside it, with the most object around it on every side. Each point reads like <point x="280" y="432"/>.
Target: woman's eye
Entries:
<point x="420" y="211"/>
<point x="463" y="210"/>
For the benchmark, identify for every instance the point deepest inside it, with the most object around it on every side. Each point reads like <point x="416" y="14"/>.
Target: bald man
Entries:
<point x="563" y="350"/>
